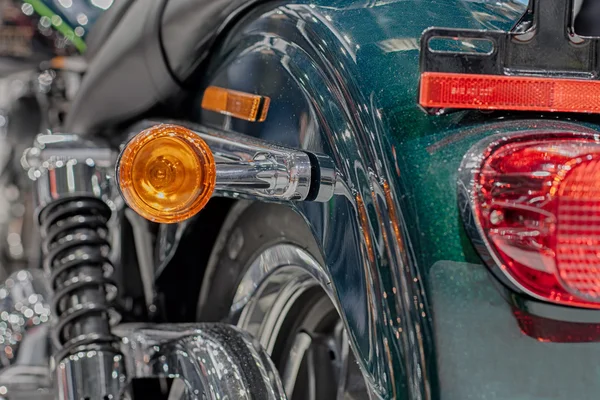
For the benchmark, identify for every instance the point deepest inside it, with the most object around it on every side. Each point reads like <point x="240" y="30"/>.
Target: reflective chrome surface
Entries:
<point x="257" y="169"/>
<point x="252" y="167"/>
<point x="67" y="165"/>
<point x="24" y="340"/>
<point x="265" y="176"/>
<point x="328" y="178"/>
<point x="297" y="263"/>
<point x="91" y="374"/>
<point x="23" y="308"/>
<point x="74" y="207"/>
<point x="215" y="361"/>
<point x="273" y="290"/>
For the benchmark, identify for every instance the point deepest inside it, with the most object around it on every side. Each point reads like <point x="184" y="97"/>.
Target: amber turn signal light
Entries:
<point x="166" y="173"/>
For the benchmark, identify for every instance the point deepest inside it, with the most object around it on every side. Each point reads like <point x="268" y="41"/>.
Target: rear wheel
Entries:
<point x="266" y="276"/>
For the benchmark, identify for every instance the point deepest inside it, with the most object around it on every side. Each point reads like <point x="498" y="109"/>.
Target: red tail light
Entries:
<point x="536" y="204"/>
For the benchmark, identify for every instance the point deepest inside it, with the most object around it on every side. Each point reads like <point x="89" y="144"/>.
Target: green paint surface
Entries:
<point x="428" y="149"/>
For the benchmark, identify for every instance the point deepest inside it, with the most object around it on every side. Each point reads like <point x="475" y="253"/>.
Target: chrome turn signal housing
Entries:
<point x="167" y="173"/>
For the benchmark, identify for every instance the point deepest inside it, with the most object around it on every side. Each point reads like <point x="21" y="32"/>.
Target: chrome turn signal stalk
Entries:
<point x="167" y="173"/>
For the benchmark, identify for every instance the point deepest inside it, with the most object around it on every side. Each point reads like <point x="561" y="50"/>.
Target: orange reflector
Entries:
<point x="167" y="173"/>
<point x="58" y="63"/>
<point x="494" y="92"/>
<point x="249" y="107"/>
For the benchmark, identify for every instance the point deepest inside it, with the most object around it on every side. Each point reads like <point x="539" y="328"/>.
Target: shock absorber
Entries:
<point x="75" y="246"/>
<point x="73" y="193"/>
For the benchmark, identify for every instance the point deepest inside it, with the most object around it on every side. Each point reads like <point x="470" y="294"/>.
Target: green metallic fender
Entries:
<point x="342" y="77"/>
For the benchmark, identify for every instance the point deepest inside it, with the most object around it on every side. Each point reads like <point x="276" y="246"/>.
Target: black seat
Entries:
<point x="189" y="27"/>
<point x="105" y="25"/>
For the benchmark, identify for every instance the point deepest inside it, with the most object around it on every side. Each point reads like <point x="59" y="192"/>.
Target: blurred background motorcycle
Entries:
<point x="41" y="64"/>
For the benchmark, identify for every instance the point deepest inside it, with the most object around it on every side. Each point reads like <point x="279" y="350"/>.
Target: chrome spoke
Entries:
<point x="300" y="347"/>
<point x="178" y="391"/>
<point x="343" y="346"/>
<point x="312" y="392"/>
<point x="351" y="383"/>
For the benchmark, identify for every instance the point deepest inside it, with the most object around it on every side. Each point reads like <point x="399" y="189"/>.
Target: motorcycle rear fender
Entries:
<point x="316" y="105"/>
<point x="343" y="81"/>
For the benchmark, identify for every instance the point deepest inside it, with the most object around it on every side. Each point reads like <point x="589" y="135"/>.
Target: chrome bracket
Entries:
<point x="251" y="168"/>
<point x="67" y="166"/>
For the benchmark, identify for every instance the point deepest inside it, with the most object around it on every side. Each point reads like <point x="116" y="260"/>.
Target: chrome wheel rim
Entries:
<point x="284" y="301"/>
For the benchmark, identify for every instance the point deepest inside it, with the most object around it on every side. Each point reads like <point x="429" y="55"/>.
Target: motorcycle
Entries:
<point x="334" y="199"/>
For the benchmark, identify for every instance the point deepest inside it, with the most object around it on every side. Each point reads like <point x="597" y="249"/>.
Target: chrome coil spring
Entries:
<point x="75" y="248"/>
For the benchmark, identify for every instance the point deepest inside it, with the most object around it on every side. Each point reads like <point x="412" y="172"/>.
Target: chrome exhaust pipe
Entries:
<point x="214" y="361"/>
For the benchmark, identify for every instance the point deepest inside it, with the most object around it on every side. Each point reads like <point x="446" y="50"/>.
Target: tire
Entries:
<point x="268" y="252"/>
<point x="248" y="229"/>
